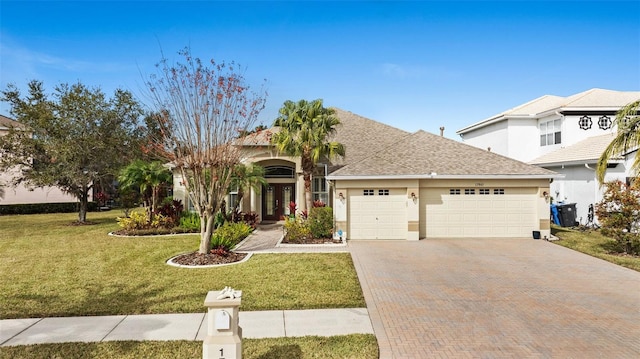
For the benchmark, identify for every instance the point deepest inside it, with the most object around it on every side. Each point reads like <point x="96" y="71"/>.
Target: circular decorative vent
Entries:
<point x="604" y="122"/>
<point x="585" y="122"/>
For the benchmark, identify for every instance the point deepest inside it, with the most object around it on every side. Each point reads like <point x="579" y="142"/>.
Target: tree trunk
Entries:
<point x="307" y="191"/>
<point x="84" y="205"/>
<point x="206" y="230"/>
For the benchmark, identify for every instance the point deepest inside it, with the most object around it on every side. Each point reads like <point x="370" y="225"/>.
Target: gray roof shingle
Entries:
<point x="422" y="153"/>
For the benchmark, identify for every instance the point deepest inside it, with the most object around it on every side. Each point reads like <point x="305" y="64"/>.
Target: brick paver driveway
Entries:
<point x="497" y="298"/>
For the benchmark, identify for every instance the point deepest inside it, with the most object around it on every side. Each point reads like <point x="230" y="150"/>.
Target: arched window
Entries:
<point x="279" y="172"/>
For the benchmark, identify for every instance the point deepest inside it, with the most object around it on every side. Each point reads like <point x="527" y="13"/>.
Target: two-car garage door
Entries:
<point x="444" y="213"/>
<point x="478" y="212"/>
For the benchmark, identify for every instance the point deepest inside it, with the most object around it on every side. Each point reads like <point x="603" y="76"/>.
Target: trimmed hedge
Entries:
<point x="36" y="208"/>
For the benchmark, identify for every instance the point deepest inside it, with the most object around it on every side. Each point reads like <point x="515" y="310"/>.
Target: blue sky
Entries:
<point x="412" y="65"/>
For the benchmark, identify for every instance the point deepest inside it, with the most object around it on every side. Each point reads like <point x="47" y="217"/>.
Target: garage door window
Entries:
<point x="498" y="191"/>
<point x="454" y="191"/>
<point x="484" y="191"/>
<point x="367" y="192"/>
<point x="383" y="192"/>
<point x="469" y="191"/>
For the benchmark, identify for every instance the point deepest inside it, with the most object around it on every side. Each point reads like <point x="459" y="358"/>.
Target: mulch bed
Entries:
<point x="198" y="259"/>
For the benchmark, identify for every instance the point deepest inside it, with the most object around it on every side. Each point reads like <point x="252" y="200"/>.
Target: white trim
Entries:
<point x="436" y="176"/>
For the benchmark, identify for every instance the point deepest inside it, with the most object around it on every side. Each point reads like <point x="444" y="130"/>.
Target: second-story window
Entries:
<point x="550" y="133"/>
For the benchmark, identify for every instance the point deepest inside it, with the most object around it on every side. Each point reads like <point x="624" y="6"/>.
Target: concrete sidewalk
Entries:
<point x="259" y="324"/>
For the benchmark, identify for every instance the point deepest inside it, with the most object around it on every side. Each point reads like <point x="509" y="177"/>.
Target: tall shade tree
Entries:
<point x="627" y="139"/>
<point x="73" y="141"/>
<point x="149" y="177"/>
<point x="203" y="108"/>
<point x="304" y="129"/>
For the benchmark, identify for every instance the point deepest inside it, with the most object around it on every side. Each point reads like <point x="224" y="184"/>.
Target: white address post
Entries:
<point x="224" y="335"/>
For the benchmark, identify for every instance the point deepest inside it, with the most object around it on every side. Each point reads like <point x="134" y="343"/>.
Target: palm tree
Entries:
<point x="246" y="176"/>
<point x="627" y="138"/>
<point x="149" y="177"/>
<point x="304" y="129"/>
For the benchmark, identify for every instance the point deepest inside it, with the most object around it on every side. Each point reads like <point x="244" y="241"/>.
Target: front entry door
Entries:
<point x="275" y="200"/>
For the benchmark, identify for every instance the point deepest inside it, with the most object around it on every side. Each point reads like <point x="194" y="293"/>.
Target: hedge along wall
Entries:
<point x="35" y="208"/>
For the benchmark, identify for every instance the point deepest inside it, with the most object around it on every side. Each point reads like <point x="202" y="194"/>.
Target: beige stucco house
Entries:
<point x="392" y="184"/>
<point x="21" y="194"/>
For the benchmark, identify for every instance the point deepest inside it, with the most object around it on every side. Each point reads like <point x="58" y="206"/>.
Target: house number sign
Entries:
<point x="479" y="184"/>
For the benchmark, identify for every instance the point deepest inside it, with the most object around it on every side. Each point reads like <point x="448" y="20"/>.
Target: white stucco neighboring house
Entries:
<point x="21" y="194"/>
<point x="563" y="134"/>
<point x="393" y="184"/>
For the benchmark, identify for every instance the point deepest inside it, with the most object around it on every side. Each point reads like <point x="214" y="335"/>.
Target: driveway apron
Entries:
<point x="497" y="298"/>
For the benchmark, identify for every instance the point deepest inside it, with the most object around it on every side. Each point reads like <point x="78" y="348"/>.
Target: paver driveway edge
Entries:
<point x="384" y="346"/>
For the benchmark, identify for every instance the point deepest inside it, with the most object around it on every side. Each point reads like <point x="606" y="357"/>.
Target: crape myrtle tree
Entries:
<point x="305" y="127"/>
<point x="203" y="108"/>
<point x="73" y="140"/>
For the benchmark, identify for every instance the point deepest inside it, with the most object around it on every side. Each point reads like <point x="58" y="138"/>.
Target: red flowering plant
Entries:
<point x="292" y="209"/>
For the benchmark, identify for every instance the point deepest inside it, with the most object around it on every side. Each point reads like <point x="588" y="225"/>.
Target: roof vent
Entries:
<point x="441" y="131"/>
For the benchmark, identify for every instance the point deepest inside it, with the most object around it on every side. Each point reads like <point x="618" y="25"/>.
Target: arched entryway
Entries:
<point x="280" y="191"/>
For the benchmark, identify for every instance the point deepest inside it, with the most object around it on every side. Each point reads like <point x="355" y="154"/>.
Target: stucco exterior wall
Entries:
<point x="495" y="136"/>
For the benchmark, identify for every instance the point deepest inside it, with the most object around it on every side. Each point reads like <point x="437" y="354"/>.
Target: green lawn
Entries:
<point x="594" y="244"/>
<point x="356" y="346"/>
<point x="50" y="268"/>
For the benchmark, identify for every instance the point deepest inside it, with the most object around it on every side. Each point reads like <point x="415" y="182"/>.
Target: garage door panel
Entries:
<point x="512" y="214"/>
<point x="378" y="216"/>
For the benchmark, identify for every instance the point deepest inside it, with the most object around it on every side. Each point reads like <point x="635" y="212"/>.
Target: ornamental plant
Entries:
<point x="619" y="214"/>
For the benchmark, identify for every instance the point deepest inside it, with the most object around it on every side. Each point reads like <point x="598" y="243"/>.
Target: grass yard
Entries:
<point x="50" y="268"/>
<point x="356" y="346"/>
<point x="594" y="244"/>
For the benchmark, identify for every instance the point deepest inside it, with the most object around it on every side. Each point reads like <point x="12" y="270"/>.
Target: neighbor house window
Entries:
<point x="454" y="191"/>
<point x="383" y="192"/>
<point x="550" y="133"/>
<point x="319" y="189"/>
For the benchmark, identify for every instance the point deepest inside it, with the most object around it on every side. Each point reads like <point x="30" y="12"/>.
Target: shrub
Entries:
<point x="171" y="210"/>
<point x="190" y="221"/>
<point x="35" y="208"/>
<point x="251" y="218"/>
<point x="320" y="222"/>
<point x="618" y="213"/>
<point x="229" y="235"/>
<point x="297" y="230"/>
<point x="135" y="221"/>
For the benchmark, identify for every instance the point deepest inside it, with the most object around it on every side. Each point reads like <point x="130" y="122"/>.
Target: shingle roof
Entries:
<point x="358" y="135"/>
<point x="361" y="136"/>
<point x="420" y="154"/>
<point x="594" y="98"/>
<point x="587" y="151"/>
<point x="6" y="122"/>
